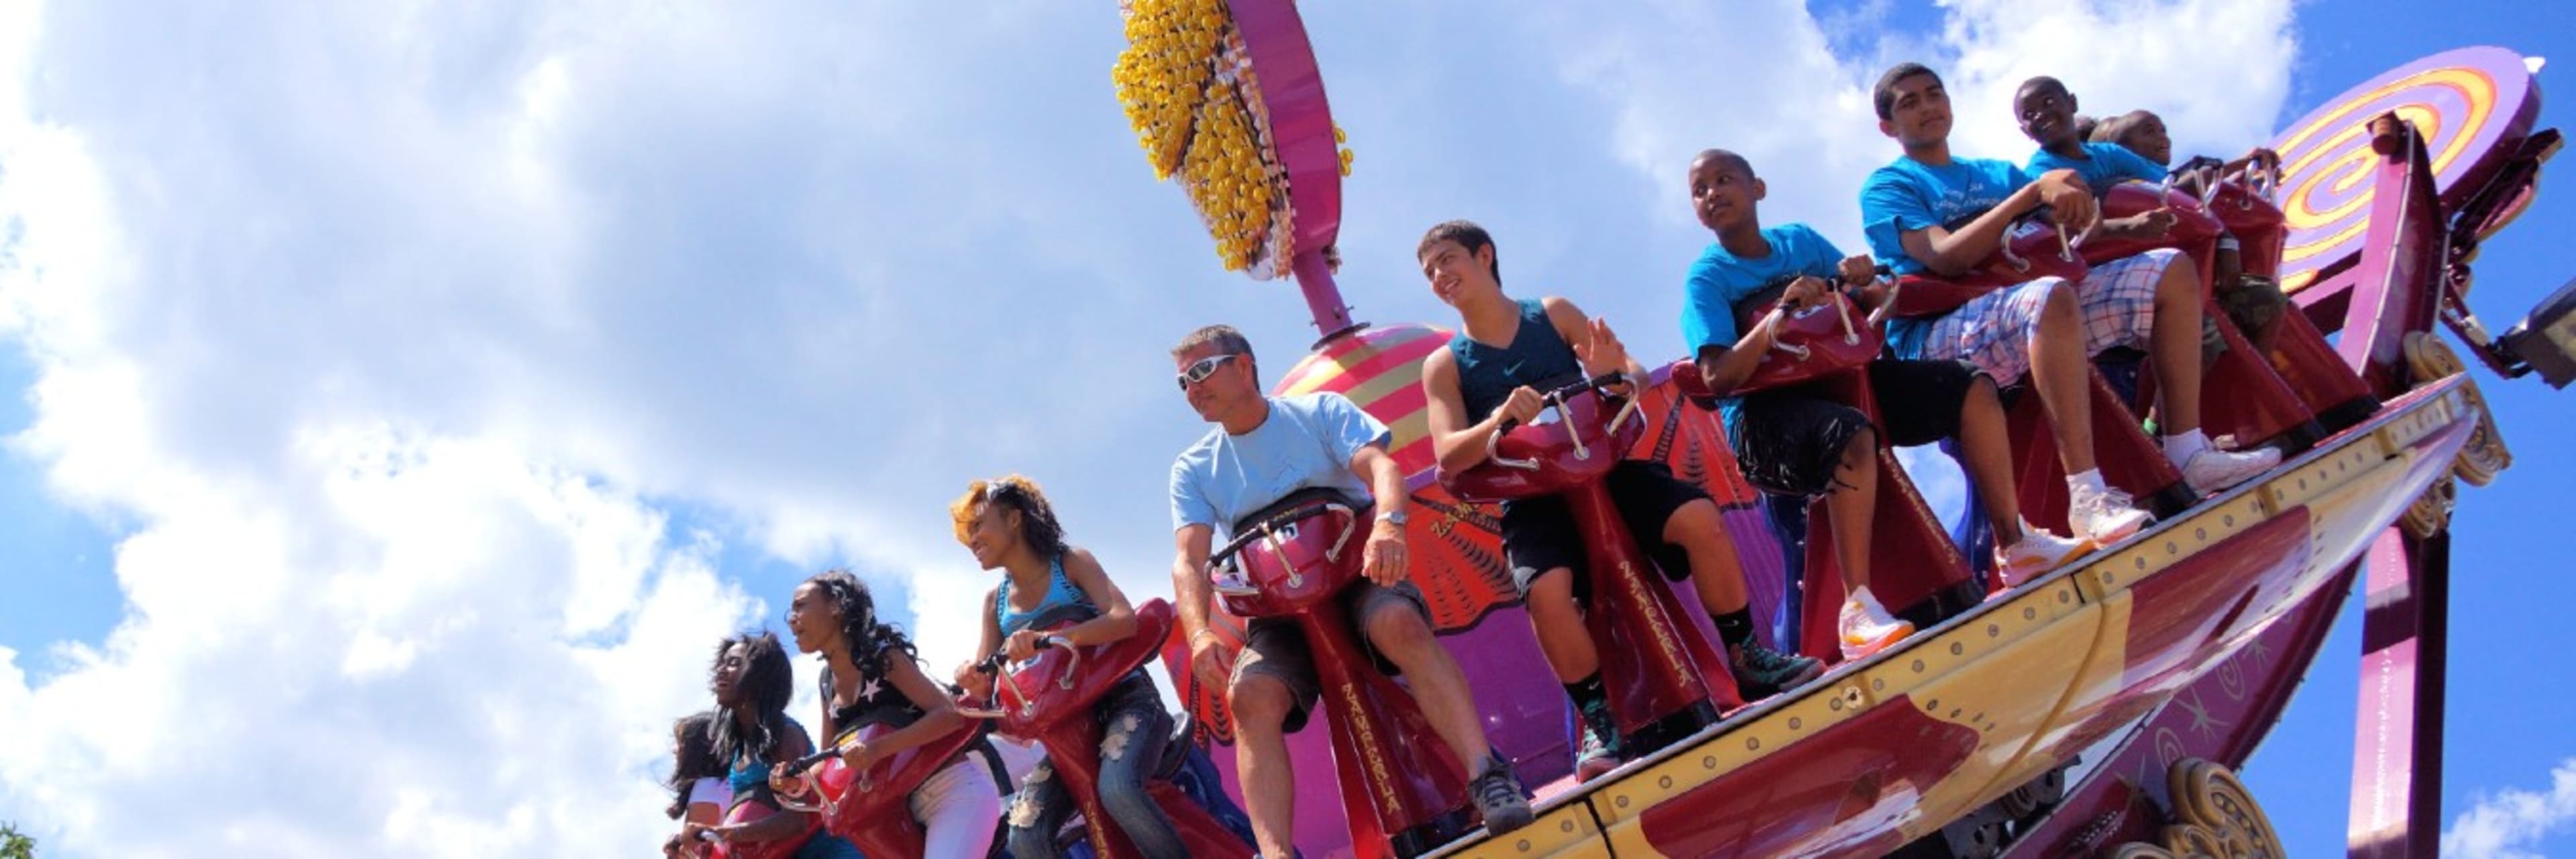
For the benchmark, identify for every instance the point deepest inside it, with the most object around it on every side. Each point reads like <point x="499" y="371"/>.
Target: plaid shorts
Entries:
<point x="1994" y="332"/>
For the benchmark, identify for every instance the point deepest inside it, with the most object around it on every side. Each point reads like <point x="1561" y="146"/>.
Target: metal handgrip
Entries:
<point x="1494" y="449"/>
<point x="2012" y="259"/>
<point x="1277" y="547"/>
<point x="1794" y="350"/>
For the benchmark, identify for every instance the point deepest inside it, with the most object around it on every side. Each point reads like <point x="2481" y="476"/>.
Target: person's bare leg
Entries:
<point x="1715" y="572"/>
<point x="2174" y="345"/>
<point x="1405" y="638"/>
<point x="2059" y="374"/>
<point x="1852" y="506"/>
<point x="1985" y="447"/>
<point x="1558" y="622"/>
<point x="1261" y="706"/>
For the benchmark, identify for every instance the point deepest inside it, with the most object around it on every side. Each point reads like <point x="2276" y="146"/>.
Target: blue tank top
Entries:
<point x="1537" y="357"/>
<point x="1060" y="594"/>
<point x="747" y="778"/>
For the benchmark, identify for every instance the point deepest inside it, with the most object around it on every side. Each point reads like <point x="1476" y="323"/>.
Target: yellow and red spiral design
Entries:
<point x="2462" y="102"/>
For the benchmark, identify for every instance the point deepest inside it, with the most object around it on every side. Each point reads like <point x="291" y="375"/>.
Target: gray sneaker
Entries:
<point x="1499" y="797"/>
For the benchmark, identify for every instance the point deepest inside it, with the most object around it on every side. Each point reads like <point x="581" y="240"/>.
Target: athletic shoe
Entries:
<point x="1868" y="629"/>
<point x="2215" y="470"/>
<point x="1761" y="672"/>
<point x="2035" y="554"/>
<point x="1600" y="744"/>
<point x="2104" y="518"/>
<point x="1499" y="796"/>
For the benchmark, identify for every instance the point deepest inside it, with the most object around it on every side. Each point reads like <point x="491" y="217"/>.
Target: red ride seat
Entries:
<point x="872" y="809"/>
<point x="2242" y="394"/>
<point x="753" y="812"/>
<point x="1665" y="679"/>
<point x="1402" y="791"/>
<point x="2128" y="459"/>
<point x="1914" y="568"/>
<point x="2297" y="351"/>
<point x="1053" y="700"/>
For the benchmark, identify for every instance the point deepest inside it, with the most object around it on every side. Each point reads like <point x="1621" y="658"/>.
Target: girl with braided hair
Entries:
<point x="1009" y="526"/>
<point x="751" y="733"/>
<point x="870" y="678"/>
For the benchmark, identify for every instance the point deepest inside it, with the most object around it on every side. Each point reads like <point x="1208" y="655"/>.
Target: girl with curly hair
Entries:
<point x="752" y="681"/>
<point x="870" y="677"/>
<point x="1009" y="525"/>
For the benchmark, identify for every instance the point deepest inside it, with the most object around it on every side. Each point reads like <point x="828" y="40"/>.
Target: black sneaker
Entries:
<point x="1761" y="672"/>
<point x="1600" y="752"/>
<point x="1499" y="797"/>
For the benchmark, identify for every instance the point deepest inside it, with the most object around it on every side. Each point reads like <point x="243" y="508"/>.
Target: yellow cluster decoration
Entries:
<point x="1188" y="88"/>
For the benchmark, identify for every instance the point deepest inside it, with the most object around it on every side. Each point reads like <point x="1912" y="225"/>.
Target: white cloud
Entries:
<point x="430" y="357"/>
<point x="2507" y="823"/>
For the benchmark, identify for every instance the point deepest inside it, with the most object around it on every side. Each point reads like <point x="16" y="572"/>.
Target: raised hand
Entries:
<point x="1601" y="352"/>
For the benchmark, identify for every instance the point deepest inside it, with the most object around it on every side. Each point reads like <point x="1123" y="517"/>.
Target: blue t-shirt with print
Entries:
<point x="1720" y="279"/>
<point x="1307" y="441"/>
<point x="1908" y="195"/>
<point x="2105" y="165"/>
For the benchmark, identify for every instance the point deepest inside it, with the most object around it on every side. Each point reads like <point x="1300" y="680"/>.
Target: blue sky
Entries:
<point x="436" y="385"/>
<point x="2502" y="732"/>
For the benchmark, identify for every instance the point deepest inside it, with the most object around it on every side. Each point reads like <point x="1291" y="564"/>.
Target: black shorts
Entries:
<point x="1275" y="647"/>
<point x="1788" y="441"/>
<point x="1539" y="533"/>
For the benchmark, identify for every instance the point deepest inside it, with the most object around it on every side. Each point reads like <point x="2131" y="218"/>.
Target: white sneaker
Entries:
<point x="2215" y="470"/>
<point x="2104" y="518"/>
<point x="2037" y="552"/>
<point x="1867" y="629"/>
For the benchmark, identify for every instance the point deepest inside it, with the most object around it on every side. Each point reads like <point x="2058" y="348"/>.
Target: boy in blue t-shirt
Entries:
<point x="2046" y="113"/>
<point x="2253" y="303"/>
<point x="2143" y="132"/>
<point x="1929" y="212"/>
<point x="1790" y="441"/>
<point x="1504" y="354"/>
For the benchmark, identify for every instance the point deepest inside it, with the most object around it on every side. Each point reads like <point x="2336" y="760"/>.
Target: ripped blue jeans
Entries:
<point x="1133" y="730"/>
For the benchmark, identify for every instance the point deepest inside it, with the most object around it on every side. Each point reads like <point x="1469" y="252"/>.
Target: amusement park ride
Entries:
<point x="2095" y="710"/>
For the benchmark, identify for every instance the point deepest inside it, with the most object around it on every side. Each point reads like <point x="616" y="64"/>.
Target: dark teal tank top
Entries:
<point x="1537" y="358"/>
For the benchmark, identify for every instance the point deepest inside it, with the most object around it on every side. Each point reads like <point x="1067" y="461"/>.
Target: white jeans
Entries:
<point x="959" y="806"/>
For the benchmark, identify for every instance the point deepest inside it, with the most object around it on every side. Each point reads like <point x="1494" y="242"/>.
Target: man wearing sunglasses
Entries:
<point x="1263" y="449"/>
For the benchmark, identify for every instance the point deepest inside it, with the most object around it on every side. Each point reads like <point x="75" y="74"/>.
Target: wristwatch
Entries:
<point x="1392" y="517"/>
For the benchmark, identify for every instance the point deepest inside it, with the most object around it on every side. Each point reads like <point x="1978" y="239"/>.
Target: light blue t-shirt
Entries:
<point x="1308" y="440"/>
<point x="2109" y="164"/>
<point x="1719" y="280"/>
<point x="1908" y="195"/>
